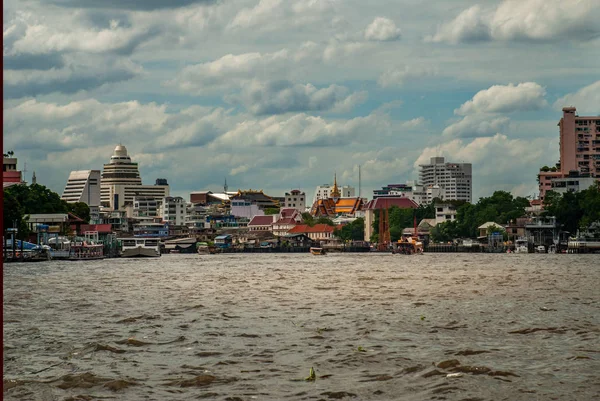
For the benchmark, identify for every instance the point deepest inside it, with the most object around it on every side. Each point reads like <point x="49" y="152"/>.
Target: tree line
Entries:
<point x="22" y="200"/>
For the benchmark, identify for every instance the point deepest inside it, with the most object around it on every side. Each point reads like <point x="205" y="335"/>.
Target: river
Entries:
<point x="251" y="327"/>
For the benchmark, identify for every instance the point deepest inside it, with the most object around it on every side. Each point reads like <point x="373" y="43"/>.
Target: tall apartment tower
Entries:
<point x="579" y="149"/>
<point x="454" y="179"/>
<point x="121" y="182"/>
<point x="295" y="199"/>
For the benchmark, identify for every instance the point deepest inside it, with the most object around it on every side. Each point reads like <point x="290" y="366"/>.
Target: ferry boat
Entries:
<point x="317" y="251"/>
<point x="521" y="245"/>
<point x="583" y="245"/>
<point x="140" y="248"/>
<point x="85" y="250"/>
<point x="408" y="246"/>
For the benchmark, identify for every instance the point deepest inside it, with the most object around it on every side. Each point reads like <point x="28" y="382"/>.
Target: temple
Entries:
<point x="335" y="205"/>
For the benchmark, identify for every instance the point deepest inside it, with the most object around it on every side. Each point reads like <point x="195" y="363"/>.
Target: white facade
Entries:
<point x="295" y="199"/>
<point x="121" y="182"/>
<point x="572" y="184"/>
<point x="444" y="212"/>
<point x="173" y="210"/>
<point x="245" y="208"/>
<point x="84" y="186"/>
<point x="454" y="179"/>
<point x="324" y="192"/>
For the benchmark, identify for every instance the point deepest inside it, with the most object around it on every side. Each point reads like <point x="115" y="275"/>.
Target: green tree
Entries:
<point x="80" y="210"/>
<point x="271" y="211"/>
<point x="308" y="219"/>
<point x="354" y="231"/>
<point x="324" y="220"/>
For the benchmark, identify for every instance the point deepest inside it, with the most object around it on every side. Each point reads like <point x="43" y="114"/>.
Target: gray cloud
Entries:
<point x="277" y="97"/>
<point x="142" y="5"/>
<point x="33" y="61"/>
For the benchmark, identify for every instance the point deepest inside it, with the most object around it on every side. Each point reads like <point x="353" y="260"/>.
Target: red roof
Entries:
<point x="261" y="221"/>
<point x="288" y="212"/>
<point x="288" y="220"/>
<point x="389" y="201"/>
<point x="317" y="228"/>
<point x="101" y="228"/>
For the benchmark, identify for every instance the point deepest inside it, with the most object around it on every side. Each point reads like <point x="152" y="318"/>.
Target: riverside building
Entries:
<point x="454" y="179"/>
<point x="121" y="182"/>
<point x="579" y="152"/>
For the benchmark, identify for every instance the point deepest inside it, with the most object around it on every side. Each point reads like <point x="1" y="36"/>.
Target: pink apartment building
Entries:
<point x="579" y="148"/>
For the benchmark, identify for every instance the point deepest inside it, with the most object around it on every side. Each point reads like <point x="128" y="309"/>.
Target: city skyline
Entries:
<point x="277" y="95"/>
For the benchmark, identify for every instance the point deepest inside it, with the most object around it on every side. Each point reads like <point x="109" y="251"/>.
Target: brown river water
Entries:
<point x="250" y="327"/>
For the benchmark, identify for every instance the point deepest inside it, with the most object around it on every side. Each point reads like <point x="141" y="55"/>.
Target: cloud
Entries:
<point x="476" y="126"/>
<point x="78" y="74"/>
<point x="505" y="99"/>
<point x="396" y="77"/>
<point x="586" y="100"/>
<point x="382" y="29"/>
<point x="230" y="71"/>
<point x="144" y="5"/>
<point x="524" y="20"/>
<point x="277" y="97"/>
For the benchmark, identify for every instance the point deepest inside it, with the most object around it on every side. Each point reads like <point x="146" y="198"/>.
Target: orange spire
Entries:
<point x="335" y="193"/>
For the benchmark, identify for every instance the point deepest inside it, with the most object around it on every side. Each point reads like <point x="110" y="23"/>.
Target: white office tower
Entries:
<point x="121" y="182"/>
<point x="324" y="192"/>
<point x="454" y="179"/>
<point x="173" y="210"/>
<point x="84" y="186"/>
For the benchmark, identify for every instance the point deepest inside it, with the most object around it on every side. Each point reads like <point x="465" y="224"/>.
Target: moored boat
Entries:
<point x="317" y="251"/>
<point x="408" y="246"/>
<point x="204" y="249"/>
<point x="140" y="248"/>
<point x="84" y="250"/>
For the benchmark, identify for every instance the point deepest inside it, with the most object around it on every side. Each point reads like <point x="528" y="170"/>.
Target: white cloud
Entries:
<point x="505" y="99"/>
<point x="524" y="20"/>
<point x="396" y="77"/>
<point x="586" y="100"/>
<point x="476" y="126"/>
<point x="382" y="29"/>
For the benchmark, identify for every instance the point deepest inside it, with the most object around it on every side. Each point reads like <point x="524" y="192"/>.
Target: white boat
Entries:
<point x="540" y="249"/>
<point x="317" y="251"/>
<point x="521" y="245"/>
<point x="140" y="248"/>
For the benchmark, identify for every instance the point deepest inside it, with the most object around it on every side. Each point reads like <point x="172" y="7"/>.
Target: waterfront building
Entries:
<point x="444" y="212"/>
<point x="245" y="208"/>
<point x="144" y="206"/>
<point x="288" y="218"/>
<point x="382" y="203"/>
<point x="420" y="194"/>
<point x="84" y="186"/>
<point x="10" y="174"/>
<point x="173" y="210"/>
<point x="318" y="232"/>
<point x="579" y="149"/>
<point x="258" y="198"/>
<point x="454" y="179"/>
<point x="121" y="182"/>
<point x="296" y="199"/>
<point x="262" y="223"/>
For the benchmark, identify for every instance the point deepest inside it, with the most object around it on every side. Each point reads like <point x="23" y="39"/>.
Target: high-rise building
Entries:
<point x="454" y="179"/>
<point x="121" y="182"/>
<point x="325" y="191"/>
<point x="173" y="210"/>
<point x="84" y="186"/>
<point x="579" y="149"/>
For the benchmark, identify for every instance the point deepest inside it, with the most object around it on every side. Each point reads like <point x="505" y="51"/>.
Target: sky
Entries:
<point x="277" y="95"/>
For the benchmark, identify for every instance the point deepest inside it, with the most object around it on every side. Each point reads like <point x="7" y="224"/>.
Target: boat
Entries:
<point x="552" y="248"/>
<point x="521" y="245"/>
<point x="540" y="249"/>
<point x="204" y="249"/>
<point x="408" y="246"/>
<point x="317" y="251"/>
<point x="583" y="245"/>
<point x="86" y="250"/>
<point x="140" y="248"/>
